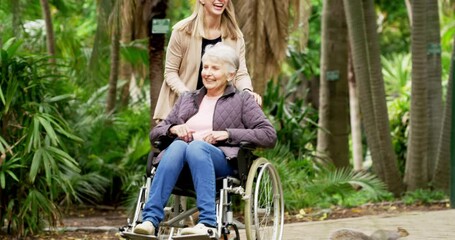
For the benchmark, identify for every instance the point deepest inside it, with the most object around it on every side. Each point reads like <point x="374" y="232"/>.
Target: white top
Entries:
<point x="202" y="121"/>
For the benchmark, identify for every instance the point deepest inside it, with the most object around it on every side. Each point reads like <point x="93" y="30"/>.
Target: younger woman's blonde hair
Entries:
<point x="194" y="24"/>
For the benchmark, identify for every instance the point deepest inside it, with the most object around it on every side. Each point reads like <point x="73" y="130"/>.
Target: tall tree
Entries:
<point x="388" y="167"/>
<point x="126" y="36"/>
<point x="334" y="94"/>
<point x="416" y="172"/>
<point x="50" y="42"/>
<point x="134" y="27"/>
<point x="115" y="58"/>
<point x="433" y="58"/>
<point x="364" y="44"/>
<point x="355" y="119"/>
<point x="441" y="177"/>
<point x="156" y="10"/>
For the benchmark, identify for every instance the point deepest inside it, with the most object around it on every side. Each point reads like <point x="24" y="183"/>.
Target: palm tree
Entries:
<point x="126" y="36"/>
<point x="265" y="25"/>
<point x="389" y="166"/>
<point x="441" y="177"/>
<point x="355" y="119"/>
<point x="334" y="96"/>
<point x="433" y="43"/>
<point x="361" y="21"/>
<point x="416" y="172"/>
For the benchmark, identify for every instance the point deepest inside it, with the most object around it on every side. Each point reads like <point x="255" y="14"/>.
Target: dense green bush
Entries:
<point x="115" y="145"/>
<point x="294" y="120"/>
<point x="36" y="171"/>
<point x="308" y="184"/>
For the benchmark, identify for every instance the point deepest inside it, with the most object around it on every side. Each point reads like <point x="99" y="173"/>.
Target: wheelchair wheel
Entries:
<point x="230" y="232"/>
<point x="264" y="206"/>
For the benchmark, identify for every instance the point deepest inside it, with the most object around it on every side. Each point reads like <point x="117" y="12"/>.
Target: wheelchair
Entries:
<point x="256" y="182"/>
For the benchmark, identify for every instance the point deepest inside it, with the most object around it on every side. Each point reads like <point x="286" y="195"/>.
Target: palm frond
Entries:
<point x="266" y="28"/>
<point x="345" y="181"/>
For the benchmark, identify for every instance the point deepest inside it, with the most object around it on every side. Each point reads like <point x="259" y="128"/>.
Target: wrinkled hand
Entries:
<point x="183" y="132"/>
<point x="257" y="97"/>
<point x="216" y="136"/>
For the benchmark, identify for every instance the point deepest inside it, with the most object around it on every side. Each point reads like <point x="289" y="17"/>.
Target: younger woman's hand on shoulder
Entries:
<point x="256" y="96"/>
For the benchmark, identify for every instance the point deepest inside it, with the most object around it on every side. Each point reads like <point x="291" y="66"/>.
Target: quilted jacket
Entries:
<point x="235" y="112"/>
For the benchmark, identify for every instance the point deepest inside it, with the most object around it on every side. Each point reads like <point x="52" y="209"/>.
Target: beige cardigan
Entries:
<point x="183" y="60"/>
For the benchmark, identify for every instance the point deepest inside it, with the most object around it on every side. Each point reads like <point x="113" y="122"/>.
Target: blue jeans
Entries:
<point x="206" y="163"/>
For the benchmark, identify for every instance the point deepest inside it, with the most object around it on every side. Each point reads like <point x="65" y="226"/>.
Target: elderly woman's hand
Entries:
<point x="216" y="136"/>
<point x="183" y="132"/>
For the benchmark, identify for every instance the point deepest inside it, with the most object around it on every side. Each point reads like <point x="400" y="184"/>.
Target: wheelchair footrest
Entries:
<point x="135" y="236"/>
<point x="194" y="237"/>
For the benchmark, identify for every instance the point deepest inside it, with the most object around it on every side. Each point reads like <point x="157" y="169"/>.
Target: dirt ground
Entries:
<point x="106" y="216"/>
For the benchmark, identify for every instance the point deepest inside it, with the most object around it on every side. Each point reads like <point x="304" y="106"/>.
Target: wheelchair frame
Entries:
<point x="258" y="184"/>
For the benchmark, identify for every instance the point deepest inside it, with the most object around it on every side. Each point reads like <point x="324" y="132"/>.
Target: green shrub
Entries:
<point x="36" y="172"/>
<point x="114" y="145"/>
<point x="294" y="121"/>
<point x="308" y="184"/>
<point x="423" y="196"/>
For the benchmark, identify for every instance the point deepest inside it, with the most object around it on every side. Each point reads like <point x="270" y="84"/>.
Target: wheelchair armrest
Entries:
<point x="247" y="145"/>
<point x="162" y="142"/>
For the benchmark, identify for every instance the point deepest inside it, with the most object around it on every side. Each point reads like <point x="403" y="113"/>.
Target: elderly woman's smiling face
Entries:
<point x="215" y="76"/>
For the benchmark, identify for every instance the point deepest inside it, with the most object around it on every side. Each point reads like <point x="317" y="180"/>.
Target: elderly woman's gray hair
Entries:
<point x="224" y="53"/>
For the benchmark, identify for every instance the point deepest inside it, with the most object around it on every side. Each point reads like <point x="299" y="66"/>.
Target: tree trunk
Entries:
<point x="441" y="177"/>
<point x="416" y="172"/>
<point x="115" y="61"/>
<point x="156" y="55"/>
<point x="50" y="42"/>
<point x="433" y="43"/>
<point x="127" y="32"/>
<point x="356" y="124"/>
<point x="388" y="166"/>
<point x="369" y="94"/>
<point x="333" y="133"/>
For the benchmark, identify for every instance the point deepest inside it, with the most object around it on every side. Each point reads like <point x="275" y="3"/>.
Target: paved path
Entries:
<point x="429" y="225"/>
<point x="420" y="225"/>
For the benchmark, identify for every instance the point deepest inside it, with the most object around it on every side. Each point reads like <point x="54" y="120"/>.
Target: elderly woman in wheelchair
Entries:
<point x="207" y="126"/>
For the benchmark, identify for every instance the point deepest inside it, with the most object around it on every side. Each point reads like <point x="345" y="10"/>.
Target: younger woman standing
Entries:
<point x="212" y="21"/>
